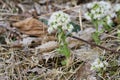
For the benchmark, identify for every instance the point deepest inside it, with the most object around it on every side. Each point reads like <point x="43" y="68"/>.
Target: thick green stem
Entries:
<point x="96" y="34"/>
<point x="63" y="45"/>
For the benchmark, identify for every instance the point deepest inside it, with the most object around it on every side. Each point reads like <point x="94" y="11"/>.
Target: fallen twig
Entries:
<point x="93" y="44"/>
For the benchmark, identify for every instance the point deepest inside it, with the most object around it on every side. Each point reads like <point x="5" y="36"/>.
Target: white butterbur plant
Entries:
<point x="99" y="13"/>
<point x="59" y="22"/>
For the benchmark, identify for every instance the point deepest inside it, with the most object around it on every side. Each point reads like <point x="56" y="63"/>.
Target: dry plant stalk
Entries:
<point x="80" y="20"/>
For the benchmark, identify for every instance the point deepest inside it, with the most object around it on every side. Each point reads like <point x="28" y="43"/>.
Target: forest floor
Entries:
<point x="29" y="52"/>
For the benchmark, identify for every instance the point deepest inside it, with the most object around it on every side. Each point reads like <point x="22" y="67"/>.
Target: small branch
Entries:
<point x="92" y="44"/>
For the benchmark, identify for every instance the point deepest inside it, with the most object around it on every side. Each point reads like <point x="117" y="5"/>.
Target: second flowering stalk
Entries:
<point x="99" y="13"/>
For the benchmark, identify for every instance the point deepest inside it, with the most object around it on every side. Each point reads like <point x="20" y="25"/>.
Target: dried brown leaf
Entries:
<point x="31" y="26"/>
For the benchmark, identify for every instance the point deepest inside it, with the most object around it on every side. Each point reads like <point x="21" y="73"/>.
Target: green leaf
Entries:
<point x="96" y="38"/>
<point x="76" y="27"/>
<point x="44" y="21"/>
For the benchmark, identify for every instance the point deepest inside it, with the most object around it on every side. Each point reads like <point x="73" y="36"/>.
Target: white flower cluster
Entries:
<point x="99" y="10"/>
<point x="59" y="19"/>
<point x="98" y="65"/>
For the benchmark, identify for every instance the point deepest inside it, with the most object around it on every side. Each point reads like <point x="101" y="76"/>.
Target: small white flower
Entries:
<point x="113" y="14"/>
<point x="50" y="30"/>
<point x="89" y="5"/>
<point x="97" y="16"/>
<point x="101" y="65"/>
<point x="55" y="26"/>
<point x="105" y="63"/>
<point x="108" y="20"/>
<point x="93" y="11"/>
<point x="87" y="16"/>
<point x="105" y="5"/>
<point x="70" y="28"/>
<point x="117" y="7"/>
<point x="64" y="27"/>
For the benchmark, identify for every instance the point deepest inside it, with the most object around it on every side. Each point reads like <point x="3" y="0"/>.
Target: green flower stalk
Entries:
<point x="99" y="13"/>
